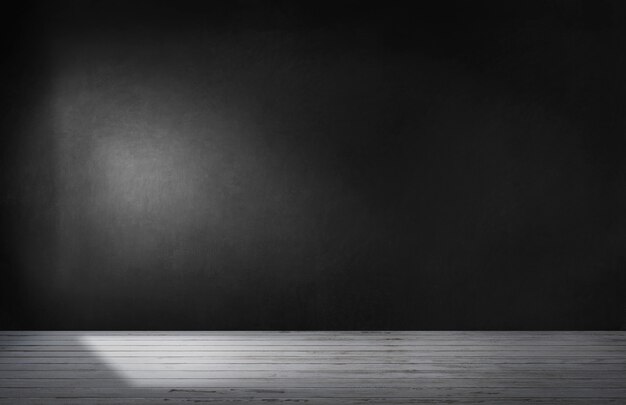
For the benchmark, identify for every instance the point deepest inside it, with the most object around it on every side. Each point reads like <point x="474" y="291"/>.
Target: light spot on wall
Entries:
<point x="134" y="175"/>
<point x="147" y="181"/>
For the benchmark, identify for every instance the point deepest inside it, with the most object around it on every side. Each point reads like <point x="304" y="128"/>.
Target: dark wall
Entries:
<point x="311" y="165"/>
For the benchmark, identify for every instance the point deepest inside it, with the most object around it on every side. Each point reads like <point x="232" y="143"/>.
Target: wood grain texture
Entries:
<point x="312" y="367"/>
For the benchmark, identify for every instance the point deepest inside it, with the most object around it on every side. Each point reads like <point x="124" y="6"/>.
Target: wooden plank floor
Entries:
<point x="312" y="367"/>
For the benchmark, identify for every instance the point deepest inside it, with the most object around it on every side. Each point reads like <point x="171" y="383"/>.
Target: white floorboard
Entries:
<point x="348" y="367"/>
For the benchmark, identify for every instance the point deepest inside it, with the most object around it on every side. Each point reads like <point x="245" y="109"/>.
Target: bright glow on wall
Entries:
<point x="190" y="186"/>
<point x="133" y="179"/>
<point x="151" y="179"/>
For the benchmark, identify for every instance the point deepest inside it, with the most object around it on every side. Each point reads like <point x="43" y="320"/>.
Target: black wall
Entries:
<point x="313" y="165"/>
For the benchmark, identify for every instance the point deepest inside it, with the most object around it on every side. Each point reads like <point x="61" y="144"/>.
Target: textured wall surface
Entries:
<point x="262" y="165"/>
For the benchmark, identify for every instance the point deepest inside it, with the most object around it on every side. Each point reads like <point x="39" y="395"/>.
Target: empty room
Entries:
<point x="313" y="202"/>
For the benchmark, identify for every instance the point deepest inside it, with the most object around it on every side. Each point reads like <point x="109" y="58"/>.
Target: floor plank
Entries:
<point x="351" y="367"/>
